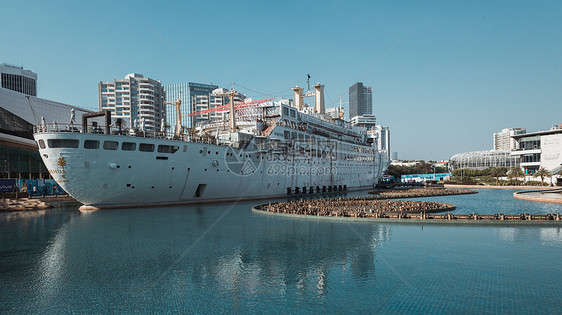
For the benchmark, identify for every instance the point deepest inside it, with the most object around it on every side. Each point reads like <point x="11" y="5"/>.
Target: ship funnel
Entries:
<point x="299" y="101"/>
<point x="319" y="98"/>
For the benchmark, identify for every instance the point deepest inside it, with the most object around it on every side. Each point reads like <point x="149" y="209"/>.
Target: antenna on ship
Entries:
<point x="308" y="82"/>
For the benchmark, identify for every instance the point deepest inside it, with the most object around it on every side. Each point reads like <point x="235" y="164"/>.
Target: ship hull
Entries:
<point x="108" y="176"/>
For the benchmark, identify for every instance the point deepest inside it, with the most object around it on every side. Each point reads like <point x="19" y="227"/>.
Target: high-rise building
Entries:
<point x="503" y="140"/>
<point x="218" y="97"/>
<point x="360" y="100"/>
<point x="134" y="98"/>
<point x="382" y="134"/>
<point x="189" y="93"/>
<point x="17" y="79"/>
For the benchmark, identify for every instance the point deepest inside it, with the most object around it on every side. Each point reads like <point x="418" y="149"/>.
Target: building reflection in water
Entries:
<point x="156" y="255"/>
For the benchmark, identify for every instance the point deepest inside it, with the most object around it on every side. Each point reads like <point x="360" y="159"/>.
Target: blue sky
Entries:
<point x="465" y="70"/>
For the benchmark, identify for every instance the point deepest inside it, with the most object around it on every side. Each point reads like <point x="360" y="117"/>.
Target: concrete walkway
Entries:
<point x="542" y="195"/>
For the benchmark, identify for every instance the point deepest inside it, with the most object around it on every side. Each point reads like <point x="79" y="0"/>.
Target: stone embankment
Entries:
<point x="21" y="204"/>
<point x="36" y="203"/>
<point x="420" y="192"/>
<point x="355" y="207"/>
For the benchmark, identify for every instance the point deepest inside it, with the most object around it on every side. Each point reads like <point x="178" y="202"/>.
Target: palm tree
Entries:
<point x="515" y="172"/>
<point x="498" y="172"/>
<point x="542" y="173"/>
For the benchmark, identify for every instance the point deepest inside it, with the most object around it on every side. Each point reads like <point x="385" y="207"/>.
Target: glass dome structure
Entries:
<point x="483" y="159"/>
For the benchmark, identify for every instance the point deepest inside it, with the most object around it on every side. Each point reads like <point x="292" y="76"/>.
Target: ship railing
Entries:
<point x="135" y="132"/>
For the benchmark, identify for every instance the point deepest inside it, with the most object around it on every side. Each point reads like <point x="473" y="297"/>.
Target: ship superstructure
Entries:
<point x="262" y="149"/>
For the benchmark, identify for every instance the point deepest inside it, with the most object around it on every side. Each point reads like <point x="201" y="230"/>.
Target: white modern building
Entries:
<point x="367" y="120"/>
<point x="503" y="140"/>
<point x="138" y="99"/>
<point x="217" y="98"/>
<point x="540" y="149"/>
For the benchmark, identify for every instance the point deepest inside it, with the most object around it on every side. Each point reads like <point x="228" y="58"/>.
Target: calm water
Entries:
<point x="224" y="258"/>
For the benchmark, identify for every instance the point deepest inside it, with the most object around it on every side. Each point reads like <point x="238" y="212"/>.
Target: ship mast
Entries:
<point x="177" y="103"/>
<point x="232" y="116"/>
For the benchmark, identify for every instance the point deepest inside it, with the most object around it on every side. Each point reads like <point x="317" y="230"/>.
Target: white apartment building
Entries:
<point x="218" y="97"/>
<point x="382" y="134"/>
<point x="136" y="99"/>
<point x="503" y="140"/>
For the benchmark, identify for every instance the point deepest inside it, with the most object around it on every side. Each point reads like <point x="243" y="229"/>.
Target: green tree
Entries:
<point x="542" y="173"/>
<point x="515" y="172"/>
<point x="498" y="172"/>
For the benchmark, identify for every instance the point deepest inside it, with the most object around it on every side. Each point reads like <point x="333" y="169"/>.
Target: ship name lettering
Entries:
<point x="57" y="171"/>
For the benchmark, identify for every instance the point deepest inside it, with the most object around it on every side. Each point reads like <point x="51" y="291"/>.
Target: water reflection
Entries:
<point x="213" y="258"/>
<point x="546" y="235"/>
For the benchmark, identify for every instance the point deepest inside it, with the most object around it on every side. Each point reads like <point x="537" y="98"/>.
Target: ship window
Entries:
<point x="168" y="148"/>
<point x="41" y="144"/>
<point x="91" y="144"/>
<point x="128" y="146"/>
<point x="287" y="134"/>
<point x="285" y="111"/>
<point x="146" y="147"/>
<point x="110" y="145"/>
<point x="293" y="113"/>
<point x="63" y="143"/>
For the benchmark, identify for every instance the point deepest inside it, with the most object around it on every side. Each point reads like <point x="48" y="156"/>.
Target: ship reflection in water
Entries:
<point x="220" y="259"/>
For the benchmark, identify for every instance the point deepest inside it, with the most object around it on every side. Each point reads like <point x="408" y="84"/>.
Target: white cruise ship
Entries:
<point x="261" y="149"/>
